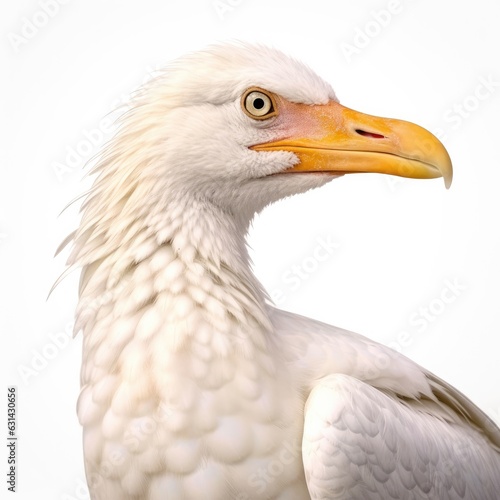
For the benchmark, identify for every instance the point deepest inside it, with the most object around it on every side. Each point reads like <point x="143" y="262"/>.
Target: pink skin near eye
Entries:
<point x="333" y="138"/>
<point x="292" y="121"/>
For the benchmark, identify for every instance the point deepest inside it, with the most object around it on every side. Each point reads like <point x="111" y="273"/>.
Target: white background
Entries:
<point x="399" y="241"/>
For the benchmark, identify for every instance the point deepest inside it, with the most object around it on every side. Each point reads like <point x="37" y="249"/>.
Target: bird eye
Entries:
<point x="258" y="104"/>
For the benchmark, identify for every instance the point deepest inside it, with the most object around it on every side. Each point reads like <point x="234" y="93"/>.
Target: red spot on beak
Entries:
<point x="370" y="134"/>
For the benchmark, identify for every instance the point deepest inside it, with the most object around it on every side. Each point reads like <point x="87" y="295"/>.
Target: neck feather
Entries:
<point x="189" y="254"/>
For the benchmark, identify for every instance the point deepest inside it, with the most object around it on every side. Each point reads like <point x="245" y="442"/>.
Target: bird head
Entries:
<point x="232" y="129"/>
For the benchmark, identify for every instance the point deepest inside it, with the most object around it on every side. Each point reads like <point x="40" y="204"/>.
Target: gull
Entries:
<point x="193" y="385"/>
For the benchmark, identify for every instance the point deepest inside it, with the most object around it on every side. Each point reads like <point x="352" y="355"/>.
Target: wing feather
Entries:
<point x="379" y="426"/>
<point x="411" y="455"/>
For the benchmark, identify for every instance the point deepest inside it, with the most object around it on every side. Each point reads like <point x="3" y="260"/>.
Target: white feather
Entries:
<point x="192" y="386"/>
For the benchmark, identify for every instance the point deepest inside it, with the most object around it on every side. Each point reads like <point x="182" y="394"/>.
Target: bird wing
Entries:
<point x="378" y="426"/>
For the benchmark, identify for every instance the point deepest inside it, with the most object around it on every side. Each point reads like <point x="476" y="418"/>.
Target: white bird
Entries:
<point x="193" y="385"/>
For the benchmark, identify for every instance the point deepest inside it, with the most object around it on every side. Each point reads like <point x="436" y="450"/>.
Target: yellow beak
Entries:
<point x="333" y="138"/>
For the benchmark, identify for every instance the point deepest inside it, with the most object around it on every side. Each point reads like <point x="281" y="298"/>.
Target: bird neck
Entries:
<point x="189" y="263"/>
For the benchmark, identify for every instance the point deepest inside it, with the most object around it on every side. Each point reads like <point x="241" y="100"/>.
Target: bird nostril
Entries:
<point x="373" y="135"/>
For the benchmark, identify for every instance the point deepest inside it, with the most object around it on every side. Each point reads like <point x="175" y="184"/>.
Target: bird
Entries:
<point x="193" y="384"/>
